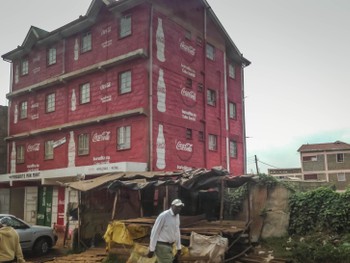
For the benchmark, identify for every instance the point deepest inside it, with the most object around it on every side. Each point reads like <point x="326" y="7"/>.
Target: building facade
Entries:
<point x="328" y="162"/>
<point x="133" y="85"/>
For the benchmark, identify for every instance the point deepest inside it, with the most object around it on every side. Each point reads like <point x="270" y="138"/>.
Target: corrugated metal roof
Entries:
<point x="335" y="146"/>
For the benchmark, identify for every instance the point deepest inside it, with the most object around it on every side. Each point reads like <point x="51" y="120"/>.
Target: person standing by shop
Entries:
<point x="165" y="233"/>
<point x="10" y="249"/>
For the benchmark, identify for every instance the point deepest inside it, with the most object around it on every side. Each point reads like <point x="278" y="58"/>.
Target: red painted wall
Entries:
<point x="186" y="105"/>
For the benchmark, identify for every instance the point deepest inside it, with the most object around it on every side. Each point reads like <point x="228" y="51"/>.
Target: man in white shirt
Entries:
<point x="166" y="232"/>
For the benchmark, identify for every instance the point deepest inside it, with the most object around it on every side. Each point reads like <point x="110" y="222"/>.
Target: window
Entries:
<point x="50" y="102"/>
<point x="200" y="87"/>
<point x="84" y="95"/>
<point x="123" y="140"/>
<point x="23" y="110"/>
<point x="83" y="144"/>
<point x="231" y="71"/>
<point x="189" y="134"/>
<point x="188" y="34"/>
<point x="125" y="26"/>
<point x="125" y="82"/>
<point x="232" y="110"/>
<point x="25" y="67"/>
<point x="210" y="52"/>
<point x="341" y="177"/>
<point x="20" y="154"/>
<point x="211" y="97"/>
<point x="212" y="142"/>
<point x="86" y="42"/>
<point x="201" y="136"/>
<point x="49" y="150"/>
<point x="340" y="157"/>
<point x="310" y="177"/>
<point x="310" y="158"/>
<point x="188" y="83"/>
<point x="51" y="56"/>
<point x="233" y="149"/>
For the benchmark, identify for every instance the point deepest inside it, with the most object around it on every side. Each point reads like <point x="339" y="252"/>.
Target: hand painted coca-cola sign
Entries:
<point x="33" y="147"/>
<point x="189" y="97"/>
<point x="187" y="48"/>
<point x="188" y="70"/>
<point x="184" y="150"/>
<point x="104" y="136"/>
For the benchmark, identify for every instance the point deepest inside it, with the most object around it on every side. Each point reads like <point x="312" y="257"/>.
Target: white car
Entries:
<point x="38" y="239"/>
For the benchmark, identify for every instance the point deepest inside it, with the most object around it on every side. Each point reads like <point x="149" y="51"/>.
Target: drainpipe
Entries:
<point x="8" y="164"/>
<point x="243" y="122"/>
<point x="206" y="136"/>
<point x="226" y="117"/>
<point x="150" y="78"/>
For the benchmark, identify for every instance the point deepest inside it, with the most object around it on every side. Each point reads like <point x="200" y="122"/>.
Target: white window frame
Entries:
<point x="340" y="159"/>
<point x="125" y="82"/>
<point x="84" y="93"/>
<point x="19" y="154"/>
<point x="211" y="97"/>
<point x="232" y="109"/>
<point x="24" y="67"/>
<point x="23" y="110"/>
<point x="51" y="56"/>
<point x="125" y="26"/>
<point x="213" y="142"/>
<point x="233" y="149"/>
<point x="231" y="71"/>
<point x="49" y="155"/>
<point x="86" y="42"/>
<point x="50" y="102"/>
<point x="341" y="177"/>
<point x="210" y="51"/>
<point x="123" y="138"/>
<point x="83" y="144"/>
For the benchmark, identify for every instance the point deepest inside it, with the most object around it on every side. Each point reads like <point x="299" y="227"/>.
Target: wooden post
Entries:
<point x="79" y="223"/>
<point x="115" y="204"/>
<point x="141" y="209"/>
<point x="222" y="200"/>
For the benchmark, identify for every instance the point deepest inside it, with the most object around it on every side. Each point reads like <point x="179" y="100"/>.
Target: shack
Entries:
<point x="137" y="198"/>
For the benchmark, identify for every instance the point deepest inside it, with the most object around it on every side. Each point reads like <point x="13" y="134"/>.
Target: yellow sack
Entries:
<point x="118" y="233"/>
<point x="139" y="255"/>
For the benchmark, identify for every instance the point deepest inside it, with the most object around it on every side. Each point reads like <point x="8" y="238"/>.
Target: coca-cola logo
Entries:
<point x="33" y="147"/>
<point x="104" y="136"/>
<point x="186" y="147"/>
<point x="189" y="97"/>
<point x="184" y="150"/>
<point x="187" y="51"/>
<point x="187" y="48"/>
<point x="188" y="93"/>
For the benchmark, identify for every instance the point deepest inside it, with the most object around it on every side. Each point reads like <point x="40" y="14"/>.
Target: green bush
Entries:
<point x="319" y="210"/>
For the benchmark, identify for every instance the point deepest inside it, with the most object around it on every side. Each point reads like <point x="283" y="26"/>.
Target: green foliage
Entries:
<point x="234" y="198"/>
<point x="319" y="210"/>
<point x="270" y="182"/>
<point x="321" y="248"/>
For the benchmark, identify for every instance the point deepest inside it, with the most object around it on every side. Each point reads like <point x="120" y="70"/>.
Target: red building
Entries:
<point x="133" y="85"/>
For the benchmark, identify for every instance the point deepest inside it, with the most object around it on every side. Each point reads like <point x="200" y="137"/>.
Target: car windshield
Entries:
<point x="13" y="222"/>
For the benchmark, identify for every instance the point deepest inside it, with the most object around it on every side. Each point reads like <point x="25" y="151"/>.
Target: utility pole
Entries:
<point x="256" y="165"/>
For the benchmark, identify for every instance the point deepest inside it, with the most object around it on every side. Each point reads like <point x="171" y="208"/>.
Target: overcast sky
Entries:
<point x="297" y="88"/>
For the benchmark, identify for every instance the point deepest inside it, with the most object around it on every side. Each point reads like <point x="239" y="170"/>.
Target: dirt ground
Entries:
<point x="61" y="254"/>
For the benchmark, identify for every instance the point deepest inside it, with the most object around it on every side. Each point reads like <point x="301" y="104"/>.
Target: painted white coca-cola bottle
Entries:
<point x="161" y="92"/>
<point x="76" y="50"/>
<point x="15" y="114"/>
<point x="71" y="150"/>
<point x="160" y="41"/>
<point x="73" y="101"/>
<point x="13" y="158"/>
<point x="160" y="148"/>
